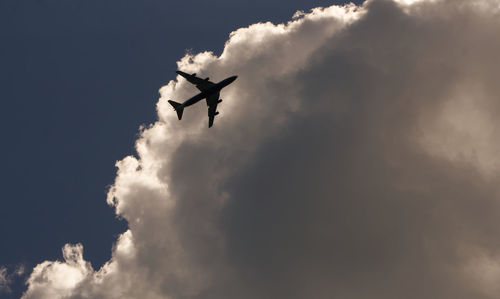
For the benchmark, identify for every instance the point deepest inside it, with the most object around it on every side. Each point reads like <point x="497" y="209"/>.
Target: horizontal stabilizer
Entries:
<point x="179" y="108"/>
<point x="186" y="75"/>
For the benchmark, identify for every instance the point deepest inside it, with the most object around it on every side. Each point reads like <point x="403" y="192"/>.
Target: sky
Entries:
<point x="356" y="155"/>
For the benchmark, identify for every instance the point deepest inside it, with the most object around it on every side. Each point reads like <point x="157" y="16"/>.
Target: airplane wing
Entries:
<point x="201" y="84"/>
<point x="212" y="102"/>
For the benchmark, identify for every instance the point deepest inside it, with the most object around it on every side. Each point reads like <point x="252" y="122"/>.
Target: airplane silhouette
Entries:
<point x="208" y="90"/>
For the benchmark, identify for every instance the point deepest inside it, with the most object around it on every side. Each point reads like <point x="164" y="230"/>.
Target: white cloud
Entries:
<point x="58" y="279"/>
<point x="354" y="157"/>
<point x="4" y="280"/>
<point x="20" y="270"/>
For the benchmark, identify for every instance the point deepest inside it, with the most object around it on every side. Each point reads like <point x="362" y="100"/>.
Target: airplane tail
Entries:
<point x="179" y="108"/>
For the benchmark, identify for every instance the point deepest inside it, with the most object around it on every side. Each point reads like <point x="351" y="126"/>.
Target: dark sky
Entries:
<point x="77" y="80"/>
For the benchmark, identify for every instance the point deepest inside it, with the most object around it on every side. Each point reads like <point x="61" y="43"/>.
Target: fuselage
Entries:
<point x="206" y="93"/>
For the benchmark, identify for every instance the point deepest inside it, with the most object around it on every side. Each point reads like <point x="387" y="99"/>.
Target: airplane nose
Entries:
<point x="229" y="80"/>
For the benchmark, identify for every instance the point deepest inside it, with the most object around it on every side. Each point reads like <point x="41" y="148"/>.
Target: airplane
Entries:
<point x="208" y="90"/>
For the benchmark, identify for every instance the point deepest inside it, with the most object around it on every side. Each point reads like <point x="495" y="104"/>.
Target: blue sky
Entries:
<point x="78" y="78"/>
<point x="356" y="155"/>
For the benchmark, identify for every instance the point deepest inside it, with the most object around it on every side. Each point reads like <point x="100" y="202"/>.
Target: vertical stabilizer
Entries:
<point x="179" y="108"/>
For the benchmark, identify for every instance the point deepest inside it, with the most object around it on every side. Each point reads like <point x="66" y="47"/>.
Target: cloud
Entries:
<point x="7" y="279"/>
<point x="61" y="277"/>
<point x="355" y="157"/>
<point x="4" y="280"/>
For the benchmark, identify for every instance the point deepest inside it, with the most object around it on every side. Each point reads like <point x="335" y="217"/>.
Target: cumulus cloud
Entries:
<point x="356" y="156"/>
